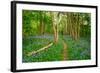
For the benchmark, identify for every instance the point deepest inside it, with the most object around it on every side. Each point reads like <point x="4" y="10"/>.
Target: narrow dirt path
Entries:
<point x="65" y="56"/>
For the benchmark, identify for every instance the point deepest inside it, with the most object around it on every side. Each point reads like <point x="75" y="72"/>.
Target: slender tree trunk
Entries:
<point x="68" y="23"/>
<point x="42" y="27"/>
<point x="55" y="33"/>
<point x="55" y="26"/>
<point x="78" y="27"/>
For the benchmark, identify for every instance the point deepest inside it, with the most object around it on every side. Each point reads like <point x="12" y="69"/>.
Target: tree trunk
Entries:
<point x="55" y="26"/>
<point x="42" y="23"/>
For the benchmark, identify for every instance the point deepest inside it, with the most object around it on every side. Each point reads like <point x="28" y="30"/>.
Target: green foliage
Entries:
<point x="54" y="53"/>
<point x="78" y="50"/>
<point x="38" y="32"/>
<point x="85" y="30"/>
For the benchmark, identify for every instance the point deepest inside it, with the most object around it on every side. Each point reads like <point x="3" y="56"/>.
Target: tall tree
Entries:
<point x="42" y="23"/>
<point x="56" y="19"/>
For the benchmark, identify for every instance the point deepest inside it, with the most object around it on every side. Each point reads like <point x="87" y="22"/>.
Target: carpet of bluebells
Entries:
<point x="77" y="50"/>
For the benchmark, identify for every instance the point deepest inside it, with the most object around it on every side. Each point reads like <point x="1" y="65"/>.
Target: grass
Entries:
<point x="54" y="53"/>
<point x="77" y="50"/>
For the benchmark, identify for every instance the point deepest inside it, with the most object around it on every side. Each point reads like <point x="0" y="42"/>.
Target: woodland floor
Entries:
<point x="65" y="57"/>
<point x="65" y="49"/>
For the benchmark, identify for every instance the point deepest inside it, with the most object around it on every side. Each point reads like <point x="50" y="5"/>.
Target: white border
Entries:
<point x="36" y="65"/>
